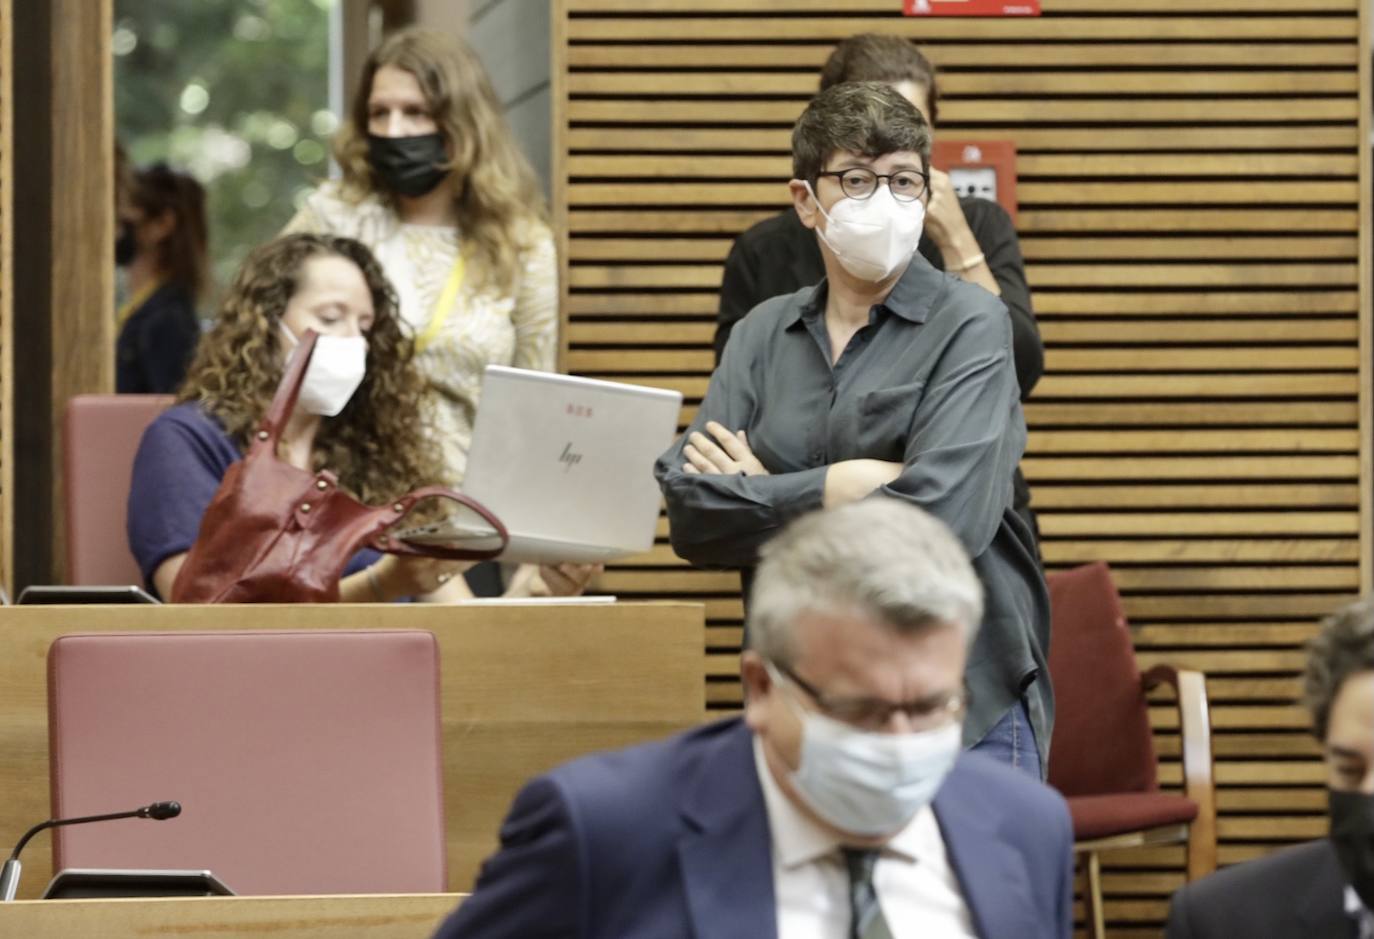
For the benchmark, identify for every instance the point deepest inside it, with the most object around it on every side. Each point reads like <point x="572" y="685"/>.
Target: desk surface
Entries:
<point x="523" y="688"/>
<point x="402" y="916"/>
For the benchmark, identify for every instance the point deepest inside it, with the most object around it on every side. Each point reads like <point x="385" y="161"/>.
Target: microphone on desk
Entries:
<point x="9" y="875"/>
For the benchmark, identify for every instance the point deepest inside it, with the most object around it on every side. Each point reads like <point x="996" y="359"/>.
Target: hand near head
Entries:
<point x="724" y="452"/>
<point x="949" y="229"/>
<point x="944" y="216"/>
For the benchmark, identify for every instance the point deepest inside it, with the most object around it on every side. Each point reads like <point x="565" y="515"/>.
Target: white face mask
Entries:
<point x="873" y="237"/>
<point x="866" y="783"/>
<point x="336" y="369"/>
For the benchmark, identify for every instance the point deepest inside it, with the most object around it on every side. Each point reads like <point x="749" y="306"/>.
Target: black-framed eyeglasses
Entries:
<point x="859" y="182"/>
<point x="874" y="713"/>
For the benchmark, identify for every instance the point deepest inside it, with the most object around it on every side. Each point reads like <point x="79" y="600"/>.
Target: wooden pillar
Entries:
<point x="63" y="265"/>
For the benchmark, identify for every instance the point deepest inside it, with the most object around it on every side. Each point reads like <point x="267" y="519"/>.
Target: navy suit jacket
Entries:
<point x="671" y="840"/>
<point x="1293" y="894"/>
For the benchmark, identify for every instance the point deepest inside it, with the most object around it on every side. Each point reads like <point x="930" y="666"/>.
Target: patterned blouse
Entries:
<point x="483" y="328"/>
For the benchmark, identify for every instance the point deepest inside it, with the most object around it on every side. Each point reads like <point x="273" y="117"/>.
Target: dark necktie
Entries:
<point x="866" y="916"/>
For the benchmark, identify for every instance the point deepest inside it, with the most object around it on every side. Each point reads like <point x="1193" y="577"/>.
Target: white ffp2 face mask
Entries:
<point x="873" y="237"/>
<point x="336" y="369"/>
<point x="866" y="783"/>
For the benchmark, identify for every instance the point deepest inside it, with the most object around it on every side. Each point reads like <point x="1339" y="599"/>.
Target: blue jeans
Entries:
<point x="1012" y="741"/>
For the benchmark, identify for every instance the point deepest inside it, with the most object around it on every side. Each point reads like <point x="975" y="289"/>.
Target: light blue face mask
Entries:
<point x="866" y="783"/>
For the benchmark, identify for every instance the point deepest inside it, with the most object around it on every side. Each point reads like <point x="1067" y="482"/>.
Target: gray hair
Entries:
<point x="880" y="556"/>
<point x="1344" y="647"/>
<point x="867" y="118"/>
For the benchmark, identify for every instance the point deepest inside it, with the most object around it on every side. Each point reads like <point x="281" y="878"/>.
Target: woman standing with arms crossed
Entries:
<point x="888" y="379"/>
<point x="435" y="185"/>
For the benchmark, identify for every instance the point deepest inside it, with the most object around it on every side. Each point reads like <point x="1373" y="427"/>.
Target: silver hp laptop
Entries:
<point x="566" y="464"/>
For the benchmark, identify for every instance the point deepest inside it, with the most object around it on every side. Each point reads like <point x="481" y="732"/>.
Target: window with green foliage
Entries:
<point x="236" y="93"/>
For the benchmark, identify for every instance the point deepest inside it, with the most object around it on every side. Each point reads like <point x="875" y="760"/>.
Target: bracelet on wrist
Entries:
<point x="375" y="583"/>
<point x="971" y="263"/>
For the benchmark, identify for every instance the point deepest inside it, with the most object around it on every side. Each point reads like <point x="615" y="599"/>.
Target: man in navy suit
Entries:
<point x="1322" y="888"/>
<point x="840" y="806"/>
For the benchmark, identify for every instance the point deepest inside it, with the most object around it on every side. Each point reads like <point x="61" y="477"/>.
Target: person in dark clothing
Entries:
<point x="162" y="246"/>
<point x="1324" y="887"/>
<point x="887" y="380"/>
<point x="972" y="238"/>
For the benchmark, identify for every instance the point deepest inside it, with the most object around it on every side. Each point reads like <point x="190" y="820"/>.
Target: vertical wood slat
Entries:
<point x="82" y="315"/>
<point x="1172" y="413"/>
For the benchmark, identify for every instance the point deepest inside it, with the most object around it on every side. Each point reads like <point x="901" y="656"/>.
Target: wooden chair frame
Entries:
<point x="1200" y="835"/>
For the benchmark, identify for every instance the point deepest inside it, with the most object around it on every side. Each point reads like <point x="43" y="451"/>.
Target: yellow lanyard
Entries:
<point x="129" y="306"/>
<point x="444" y="306"/>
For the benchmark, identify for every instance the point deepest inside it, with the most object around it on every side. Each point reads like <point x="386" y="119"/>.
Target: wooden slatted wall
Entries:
<point x="1190" y="177"/>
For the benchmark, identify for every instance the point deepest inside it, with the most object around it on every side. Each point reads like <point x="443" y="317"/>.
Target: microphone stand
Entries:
<point x="9" y="874"/>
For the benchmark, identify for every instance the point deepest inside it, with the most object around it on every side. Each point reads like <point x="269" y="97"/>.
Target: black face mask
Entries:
<point x="1352" y="833"/>
<point x="410" y="166"/>
<point x="126" y="245"/>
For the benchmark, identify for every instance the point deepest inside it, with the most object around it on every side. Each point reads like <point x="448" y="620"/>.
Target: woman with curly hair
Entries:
<point x="371" y="436"/>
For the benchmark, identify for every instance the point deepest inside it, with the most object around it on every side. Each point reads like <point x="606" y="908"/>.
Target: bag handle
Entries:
<point x="284" y="401"/>
<point x="385" y="541"/>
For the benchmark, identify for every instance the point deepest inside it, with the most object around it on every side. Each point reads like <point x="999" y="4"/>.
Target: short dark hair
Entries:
<point x="1344" y="647"/>
<point x="873" y="57"/>
<point x="862" y="117"/>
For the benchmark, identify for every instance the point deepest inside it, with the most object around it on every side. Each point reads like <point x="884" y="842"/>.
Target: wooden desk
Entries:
<point x="524" y="688"/>
<point x="402" y="916"/>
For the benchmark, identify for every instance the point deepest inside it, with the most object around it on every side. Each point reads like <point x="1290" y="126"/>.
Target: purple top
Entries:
<point x="181" y="460"/>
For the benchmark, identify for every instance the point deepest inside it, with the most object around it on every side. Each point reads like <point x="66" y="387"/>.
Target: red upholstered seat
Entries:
<point x="306" y="762"/>
<point x="1102" y="741"/>
<point x="1102" y="755"/>
<point x="100" y="437"/>
<point x="1104" y="816"/>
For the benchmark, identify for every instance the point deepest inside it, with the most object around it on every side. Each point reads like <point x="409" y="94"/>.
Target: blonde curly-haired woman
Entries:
<point x="434" y="184"/>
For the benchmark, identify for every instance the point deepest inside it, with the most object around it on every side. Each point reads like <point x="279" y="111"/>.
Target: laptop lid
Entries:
<point x="565" y="459"/>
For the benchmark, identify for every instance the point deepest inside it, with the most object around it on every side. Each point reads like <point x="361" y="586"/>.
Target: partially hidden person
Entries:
<point x="1325" y="887"/>
<point x="162" y="246"/>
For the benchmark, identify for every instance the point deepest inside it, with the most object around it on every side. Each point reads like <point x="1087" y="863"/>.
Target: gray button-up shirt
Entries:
<point x="929" y="383"/>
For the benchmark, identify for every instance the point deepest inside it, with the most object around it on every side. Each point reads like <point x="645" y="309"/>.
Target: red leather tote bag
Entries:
<point x="275" y="533"/>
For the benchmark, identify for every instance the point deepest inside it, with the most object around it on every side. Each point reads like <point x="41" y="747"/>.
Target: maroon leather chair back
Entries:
<point x="1102" y="741"/>
<point x="100" y="437"/>
<point x="305" y="762"/>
